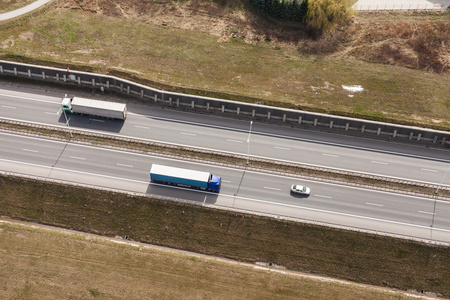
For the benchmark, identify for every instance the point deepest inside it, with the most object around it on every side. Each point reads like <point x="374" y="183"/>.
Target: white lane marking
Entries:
<point x="426" y="212"/>
<point x="429" y="170"/>
<point x="379" y="162"/>
<point x="76" y="157"/>
<point x="144" y="127"/>
<point x="271" y="188"/>
<point x="122" y="165"/>
<point x="26" y="98"/>
<point x="30" y="150"/>
<point x="331" y="155"/>
<point x="227" y="181"/>
<point x="188" y="133"/>
<point x="50" y="113"/>
<point x="374" y="204"/>
<point x="322" y="196"/>
<point x="6" y="106"/>
<point x="282" y="148"/>
<point x="97" y="120"/>
<point x="234" y="141"/>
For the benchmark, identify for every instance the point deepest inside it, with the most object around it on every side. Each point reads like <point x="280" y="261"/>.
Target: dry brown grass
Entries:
<point x="44" y="264"/>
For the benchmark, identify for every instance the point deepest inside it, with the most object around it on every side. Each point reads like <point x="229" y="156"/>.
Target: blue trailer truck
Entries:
<point x="185" y="177"/>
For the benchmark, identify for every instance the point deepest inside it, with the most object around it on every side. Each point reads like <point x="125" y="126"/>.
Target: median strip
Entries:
<point x="232" y="160"/>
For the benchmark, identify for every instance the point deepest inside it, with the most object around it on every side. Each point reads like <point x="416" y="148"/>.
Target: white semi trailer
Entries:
<point x="84" y="106"/>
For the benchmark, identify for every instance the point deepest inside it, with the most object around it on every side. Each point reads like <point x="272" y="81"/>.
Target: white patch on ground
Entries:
<point x="353" y="88"/>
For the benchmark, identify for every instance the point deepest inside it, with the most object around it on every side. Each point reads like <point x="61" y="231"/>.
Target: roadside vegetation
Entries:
<point x="350" y="255"/>
<point x="225" y="49"/>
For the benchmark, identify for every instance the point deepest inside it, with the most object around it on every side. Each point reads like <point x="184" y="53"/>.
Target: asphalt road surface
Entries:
<point x="283" y="143"/>
<point x="250" y="191"/>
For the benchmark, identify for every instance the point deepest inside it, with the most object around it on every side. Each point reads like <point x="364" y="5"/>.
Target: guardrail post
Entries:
<point x="107" y="84"/>
<point x="170" y="100"/>
<point x="331" y="124"/>
<point x="64" y="78"/>
<point x="443" y="140"/>
<point x="238" y="110"/>
<point x="142" y="93"/>
<point x="178" y="102"/>
<point x="362" y="128"/>
<point x="57" y="76"/>
<point x="346" y="126"/>
<point x="315" y="122"/>
<point x="435" y="139"/>
<point x="128" y="89"/>
<point x="395" y="133"/>
<point x="29" y="72"/>
<point x="253" y="113"/>
<point x="121" y="87"/>
<point x="411" y="135"/>
<point x="43" y="74"/>
<point x="79" y="80"/>
<point x="419" y="136"/>
<point x="223" y="108"/>
<point x="15" y="71"/>
<point x="284" y="117"/>
<point x="156" y="98"/>
<point x="192" y="104"/>
<point x="1" y="69"/>
<point x="207" y="106"/>
<point x="93" y="81"/>
<point x="379" y="131"/>
<point x="300" y="120"/>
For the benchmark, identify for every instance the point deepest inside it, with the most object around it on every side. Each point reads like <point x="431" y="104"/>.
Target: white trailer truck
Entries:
<point x="185" y="177"/>
<point x="84" y="106"/>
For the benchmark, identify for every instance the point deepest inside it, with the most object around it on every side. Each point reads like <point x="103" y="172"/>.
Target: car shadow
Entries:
<point x="295" y="195"/>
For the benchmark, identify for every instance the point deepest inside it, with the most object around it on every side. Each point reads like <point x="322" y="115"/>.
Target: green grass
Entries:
<point x="343" y="254"/>
<point x="194" y="62"/>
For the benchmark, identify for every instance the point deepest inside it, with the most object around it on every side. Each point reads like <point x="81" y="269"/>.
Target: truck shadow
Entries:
<point x="92" y="122"/>
<point x="182" y="194"/>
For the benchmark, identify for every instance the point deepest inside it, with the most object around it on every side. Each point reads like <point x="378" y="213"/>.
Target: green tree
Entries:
<point x="324" y="15"/>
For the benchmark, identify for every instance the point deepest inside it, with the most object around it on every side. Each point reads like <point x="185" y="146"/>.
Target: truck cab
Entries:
<point x="66" y="105"/>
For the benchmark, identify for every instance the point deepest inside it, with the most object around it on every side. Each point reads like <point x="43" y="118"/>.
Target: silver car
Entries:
<point x="300" y="189"/>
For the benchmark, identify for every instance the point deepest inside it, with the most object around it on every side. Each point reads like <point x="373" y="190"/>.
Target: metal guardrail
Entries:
<point x="250" y="111"/>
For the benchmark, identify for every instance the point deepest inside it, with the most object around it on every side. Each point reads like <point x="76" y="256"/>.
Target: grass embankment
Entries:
<point x="43" y="264"/>
<point x="256" y="62"/>
<point x="344" y="254"/>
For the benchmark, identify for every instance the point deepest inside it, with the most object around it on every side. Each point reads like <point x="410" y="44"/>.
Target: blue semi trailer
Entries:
<point x="185" y="177"/>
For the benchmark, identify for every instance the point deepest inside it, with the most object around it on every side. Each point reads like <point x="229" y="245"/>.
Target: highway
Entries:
<point x="395" y="160"/>
<point x="421" y="217"/>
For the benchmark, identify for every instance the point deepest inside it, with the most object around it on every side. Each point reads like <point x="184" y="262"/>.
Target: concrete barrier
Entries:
<point x="343" y="125"/>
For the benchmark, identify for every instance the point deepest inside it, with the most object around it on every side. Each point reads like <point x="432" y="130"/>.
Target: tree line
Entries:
<point x="323" y="15"/>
